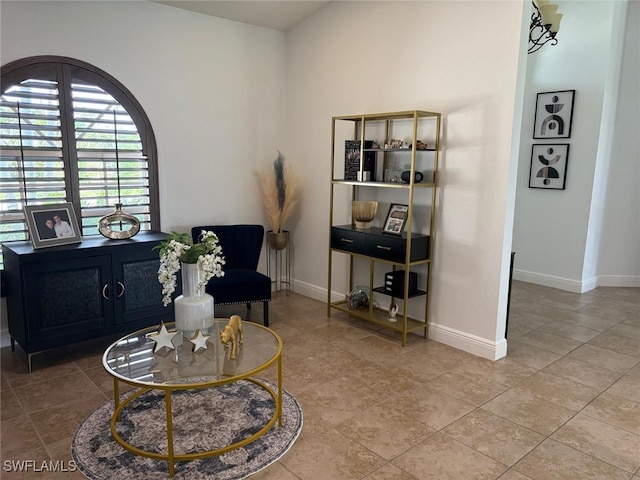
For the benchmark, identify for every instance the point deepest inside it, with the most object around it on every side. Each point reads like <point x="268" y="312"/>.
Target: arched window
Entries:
<point x="71" y="132"/>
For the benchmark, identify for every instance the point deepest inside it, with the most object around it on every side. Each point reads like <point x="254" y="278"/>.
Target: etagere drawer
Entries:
<point x="374" y="243"/>
<point x="348" y="240"/>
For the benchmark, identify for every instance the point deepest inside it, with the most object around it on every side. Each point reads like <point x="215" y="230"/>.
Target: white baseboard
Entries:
<point x="469" y="343"/>
<point x="576" y="286"/>
<point x="548" y="280"/>
<point x="5" y="338"/>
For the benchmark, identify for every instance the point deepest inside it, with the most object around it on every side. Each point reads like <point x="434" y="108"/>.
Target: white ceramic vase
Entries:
<point x="194" y="308"/>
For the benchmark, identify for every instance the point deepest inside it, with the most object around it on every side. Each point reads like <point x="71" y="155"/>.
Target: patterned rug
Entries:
<point x="196" y="426"/>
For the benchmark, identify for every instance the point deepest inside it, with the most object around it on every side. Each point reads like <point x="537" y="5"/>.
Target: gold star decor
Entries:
<point x="199" y="341"/>
<point x="163" y="338"/>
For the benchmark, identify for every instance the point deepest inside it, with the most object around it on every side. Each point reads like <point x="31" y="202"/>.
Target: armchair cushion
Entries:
<point x="241" y="283"/>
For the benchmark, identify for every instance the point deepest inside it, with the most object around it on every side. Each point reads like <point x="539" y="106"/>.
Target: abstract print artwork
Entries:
<point x="549" y="166"/>
<point x="554" y="111"/>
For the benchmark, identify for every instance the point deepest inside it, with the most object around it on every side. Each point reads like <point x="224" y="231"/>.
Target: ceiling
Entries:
<point x="277" y="15"/>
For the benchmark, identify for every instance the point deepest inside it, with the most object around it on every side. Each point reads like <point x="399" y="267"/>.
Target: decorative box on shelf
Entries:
<point x="394" y="283"/>
<point x="352" y="161"/>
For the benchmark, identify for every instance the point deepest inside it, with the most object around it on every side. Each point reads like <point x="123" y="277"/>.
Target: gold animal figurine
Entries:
<point x="232" y="332"/>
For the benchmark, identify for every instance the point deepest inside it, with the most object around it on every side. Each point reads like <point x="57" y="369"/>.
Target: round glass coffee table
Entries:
<point x="131" y="360"/>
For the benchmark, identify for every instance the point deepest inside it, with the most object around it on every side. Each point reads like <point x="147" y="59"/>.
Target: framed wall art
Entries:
<point x="549" y="166"/>
<point x="396" y="219"/>
<point x="554" y="112"/>
<point x="52" y="225"/>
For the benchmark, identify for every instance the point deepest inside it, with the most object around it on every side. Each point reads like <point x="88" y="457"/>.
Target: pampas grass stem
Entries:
<point x="280" y="188"/>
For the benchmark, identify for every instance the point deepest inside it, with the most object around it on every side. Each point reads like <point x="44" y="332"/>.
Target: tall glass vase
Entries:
<point x="194" y="308"/>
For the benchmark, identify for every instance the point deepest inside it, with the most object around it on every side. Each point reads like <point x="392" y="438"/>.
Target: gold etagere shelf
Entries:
<point x="406" y="251"/>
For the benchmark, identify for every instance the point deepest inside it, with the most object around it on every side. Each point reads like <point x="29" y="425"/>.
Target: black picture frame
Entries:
<point x="549" y="166"/>
<point x="396" y="219"/>
<point x="65" y="232"/>
<point x="554" y="114"/>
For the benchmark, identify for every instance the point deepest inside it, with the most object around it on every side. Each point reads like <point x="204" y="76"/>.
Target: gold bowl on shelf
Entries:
<point x="363" y="213"/>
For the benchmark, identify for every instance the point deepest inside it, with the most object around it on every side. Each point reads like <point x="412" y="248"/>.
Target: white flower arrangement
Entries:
<point x="178" y="248"/>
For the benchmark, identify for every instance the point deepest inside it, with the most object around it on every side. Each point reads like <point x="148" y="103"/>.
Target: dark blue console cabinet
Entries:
<point x="66" y="294"/>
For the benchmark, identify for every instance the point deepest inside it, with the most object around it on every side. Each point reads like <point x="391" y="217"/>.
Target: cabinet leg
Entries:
<point x="29" y="357"/>
<point x="13" y="344"/>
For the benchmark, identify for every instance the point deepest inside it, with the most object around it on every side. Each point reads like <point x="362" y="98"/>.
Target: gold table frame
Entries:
<point x="168" y="387"/>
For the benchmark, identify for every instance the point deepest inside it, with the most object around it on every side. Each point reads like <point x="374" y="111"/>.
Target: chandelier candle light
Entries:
<point x="545" y="23"/>
<point x="199" y="263"/>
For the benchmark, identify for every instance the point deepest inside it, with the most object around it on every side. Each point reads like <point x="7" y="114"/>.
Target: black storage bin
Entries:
<point x="394" y="283"/>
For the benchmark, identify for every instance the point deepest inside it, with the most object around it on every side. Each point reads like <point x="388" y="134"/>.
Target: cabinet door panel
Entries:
<point x="65" y="298"/>
<point x="139" y="294"/>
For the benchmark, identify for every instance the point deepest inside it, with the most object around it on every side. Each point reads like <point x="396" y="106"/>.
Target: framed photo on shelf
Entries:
<point x="549" y="166"/>
<point x="554" y="111"/>
<point x="52" y="225"/>
<point x="396" y="219"/>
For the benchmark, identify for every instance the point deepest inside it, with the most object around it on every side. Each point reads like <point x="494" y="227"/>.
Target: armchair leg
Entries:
<point x="266" y="313"/>
<point x="248" y="306"/>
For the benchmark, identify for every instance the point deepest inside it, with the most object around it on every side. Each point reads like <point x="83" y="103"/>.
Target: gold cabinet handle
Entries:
<point x="348" y="240"/>
<point x="121" y="285"/>
<point x="382" y="247"/>
<point x="104" y="291"/>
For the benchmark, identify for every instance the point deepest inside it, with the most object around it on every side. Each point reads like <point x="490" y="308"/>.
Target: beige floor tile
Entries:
<point x="607" y="308"/>
<point x="429" y="406"/>
<point x="59" y="421"/>
<point x="504" y="371"/>
<point x="333" y="401"/>
<point x="275" y="471"/>
<point x="604" y="358"/>
<point x="558" y="390"/>
<point x="18" y="436"/>
<point x="330" y="454"/>
<point x="468" y="387"/>
<point x="513" y="475"/>
<point x="447" y="460"/>
<point x="529" y="355"/>
<point x="55" y="391"/>
<point x="627" y="387"/>
<point x="529" y="410"/>
<point x="494" y="436"/>
<point x="627" y="329"/>
<point x="45" y="365"/>
<point x="553" y="460"/>
<point x="582" y="372"/>
<point x="389" y="472"/>
<point x="617" y="411"/>
<point x="570" y="330"/>
<point x="601" y="440"/>
<point x="385" y="431"/>
<point x="547" y="341"/>
<point x="581" y="320"/>
<point x="11" y="407"/>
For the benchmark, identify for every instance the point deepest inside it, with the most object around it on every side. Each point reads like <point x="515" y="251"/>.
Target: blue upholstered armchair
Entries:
<point x="242" y="283"/>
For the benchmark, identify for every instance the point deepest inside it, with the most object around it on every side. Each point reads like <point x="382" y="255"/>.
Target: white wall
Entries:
<point x="619" y="262"/>
<point x="213" y="89"/>
<point x="368" y="57"/>
<point x="558" y="233"/>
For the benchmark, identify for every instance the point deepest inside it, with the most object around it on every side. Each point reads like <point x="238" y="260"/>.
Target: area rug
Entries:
<point x="242" y="408"/>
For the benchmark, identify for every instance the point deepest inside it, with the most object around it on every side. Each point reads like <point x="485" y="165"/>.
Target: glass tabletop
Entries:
<point x="132" y="360"/>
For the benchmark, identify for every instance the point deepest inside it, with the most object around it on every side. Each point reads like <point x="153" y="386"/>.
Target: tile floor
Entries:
<point x="563" y="404"/>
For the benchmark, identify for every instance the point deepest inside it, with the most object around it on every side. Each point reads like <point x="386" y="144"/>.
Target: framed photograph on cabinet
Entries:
<point x="549" y="166"/>
<point x="554" y="111"/>
<point x="396" y="219"/>
<point x="52" y="225"/>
